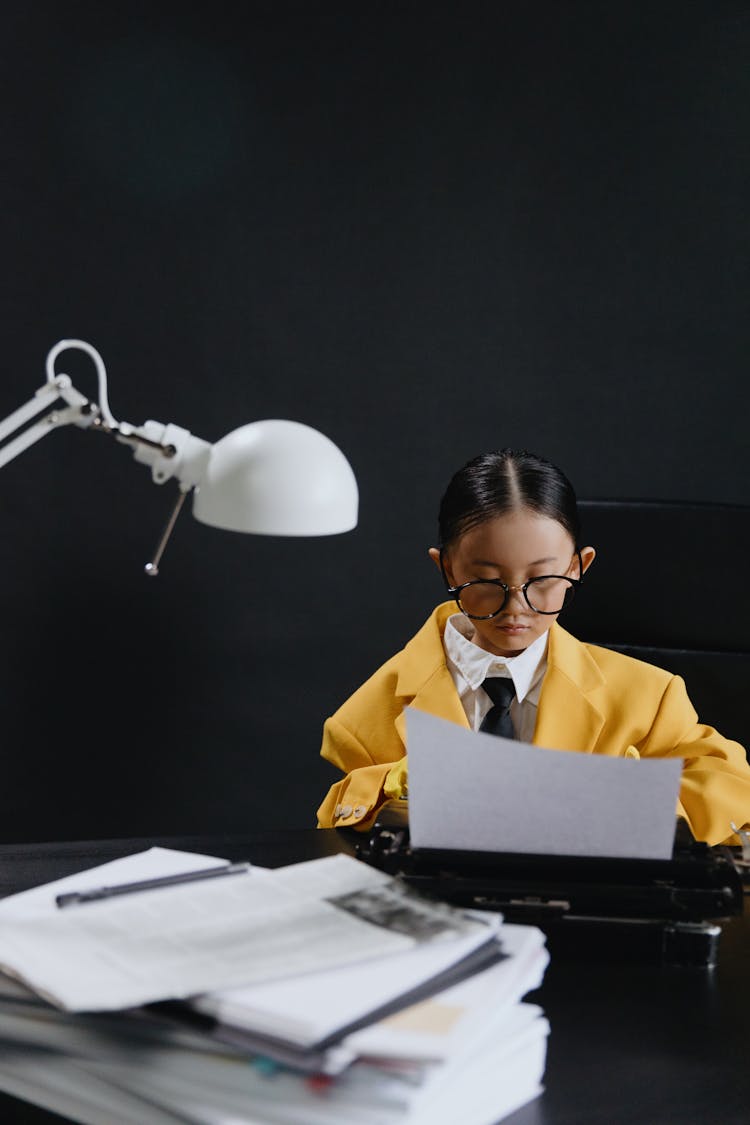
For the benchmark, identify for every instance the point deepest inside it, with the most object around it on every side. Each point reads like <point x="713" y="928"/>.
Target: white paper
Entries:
<point x="306" y="1010"/>
<point x="497" y="1070"/>
<point x="438" y="1027"/>
<point x="196" y="937"/>
<point x="480" y="792"/>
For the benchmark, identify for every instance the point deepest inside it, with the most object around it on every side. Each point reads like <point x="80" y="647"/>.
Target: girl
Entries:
<point x="494" y="657"/>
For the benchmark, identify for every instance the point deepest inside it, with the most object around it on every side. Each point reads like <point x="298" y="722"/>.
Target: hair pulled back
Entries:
<point x="503" y="481"/>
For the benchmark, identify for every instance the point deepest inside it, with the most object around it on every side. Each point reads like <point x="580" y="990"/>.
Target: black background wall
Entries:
<point x="425" y="230"/>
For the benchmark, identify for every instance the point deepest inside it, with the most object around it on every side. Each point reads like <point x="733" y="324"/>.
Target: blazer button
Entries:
<point x="337" y="810"/>
<point x="346" y="810"/>
<point x="360" y="811"/>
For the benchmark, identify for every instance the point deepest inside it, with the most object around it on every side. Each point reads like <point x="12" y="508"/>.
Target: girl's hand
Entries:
<point x="397" y="780"/>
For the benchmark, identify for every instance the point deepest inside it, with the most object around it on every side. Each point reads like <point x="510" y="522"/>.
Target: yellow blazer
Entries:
<point x="592" y="700"/>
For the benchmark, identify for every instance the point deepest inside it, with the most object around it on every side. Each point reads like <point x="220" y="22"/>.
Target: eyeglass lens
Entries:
<point x="545" y="595"/>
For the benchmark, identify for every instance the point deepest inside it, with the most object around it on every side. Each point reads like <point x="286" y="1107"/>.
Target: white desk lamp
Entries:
<point x="272" y="477"/>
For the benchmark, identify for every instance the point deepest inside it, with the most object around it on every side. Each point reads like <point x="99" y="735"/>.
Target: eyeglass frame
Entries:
<point x="455" y="591"/>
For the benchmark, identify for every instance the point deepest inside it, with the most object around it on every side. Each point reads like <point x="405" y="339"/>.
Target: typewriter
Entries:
<point x="665" y="911"/>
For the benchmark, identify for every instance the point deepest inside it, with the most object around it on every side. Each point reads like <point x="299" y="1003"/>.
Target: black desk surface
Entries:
<point x="631" y="1044"/>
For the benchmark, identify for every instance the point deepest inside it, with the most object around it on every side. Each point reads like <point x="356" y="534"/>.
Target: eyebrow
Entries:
<point x="488" y="562"/>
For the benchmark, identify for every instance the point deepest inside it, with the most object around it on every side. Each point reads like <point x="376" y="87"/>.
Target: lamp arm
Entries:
<point x="169" y="450"/>
<point x="101" y="372"/>
<point x="165" y="448"/>
<point x="77" y="410"/>
<point x="41" y="399"/>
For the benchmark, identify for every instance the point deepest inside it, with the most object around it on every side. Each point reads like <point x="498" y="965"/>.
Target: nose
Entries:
<point x="516" y="591"/>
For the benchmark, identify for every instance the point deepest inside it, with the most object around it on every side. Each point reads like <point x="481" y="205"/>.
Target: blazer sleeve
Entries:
<point x="361" y="740"/>
<point x="715" y="785"/>
<point x="354" y="801"/>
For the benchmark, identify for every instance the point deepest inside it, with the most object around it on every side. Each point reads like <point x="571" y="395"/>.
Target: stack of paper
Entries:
<point x="317" y="994"/>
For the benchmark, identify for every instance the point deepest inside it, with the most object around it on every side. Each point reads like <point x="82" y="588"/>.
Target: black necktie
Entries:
<point x="502" y="693"/>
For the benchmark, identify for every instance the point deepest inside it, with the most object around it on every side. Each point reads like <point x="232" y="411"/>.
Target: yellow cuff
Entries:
<point x="396" y="782"/>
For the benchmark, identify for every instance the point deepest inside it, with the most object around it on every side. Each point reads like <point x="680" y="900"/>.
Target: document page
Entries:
<point x="438" y="1025"/>
<point x="482" y="792"/>
<point x="212" y="934"/>
<point x="310" y="1009"/>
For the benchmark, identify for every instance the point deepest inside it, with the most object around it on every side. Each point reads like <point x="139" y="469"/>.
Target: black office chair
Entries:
<point x="669" y="586"/>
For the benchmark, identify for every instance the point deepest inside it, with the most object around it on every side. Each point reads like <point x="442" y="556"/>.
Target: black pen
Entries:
<point x="73" y="898"/>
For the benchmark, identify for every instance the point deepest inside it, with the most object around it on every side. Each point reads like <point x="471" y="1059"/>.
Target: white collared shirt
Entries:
<point x="469" y="665"/>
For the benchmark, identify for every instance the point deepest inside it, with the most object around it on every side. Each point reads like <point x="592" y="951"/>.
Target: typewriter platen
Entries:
<point x="657" y="910"/>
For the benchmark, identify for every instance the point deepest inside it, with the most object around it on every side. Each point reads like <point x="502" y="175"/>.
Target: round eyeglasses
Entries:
<point x="483" y="598"/>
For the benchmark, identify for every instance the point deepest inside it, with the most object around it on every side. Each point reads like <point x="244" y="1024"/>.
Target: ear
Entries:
<point x="588" y="554"/>
<point x="444" y="569"/>
<point x="434" y="554"/>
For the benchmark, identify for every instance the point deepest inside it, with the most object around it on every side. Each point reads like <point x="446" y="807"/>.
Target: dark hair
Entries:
<point x="504" y="481"/>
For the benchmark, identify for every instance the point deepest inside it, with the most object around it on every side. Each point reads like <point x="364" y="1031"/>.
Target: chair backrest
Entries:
<point x="668" y="586"/>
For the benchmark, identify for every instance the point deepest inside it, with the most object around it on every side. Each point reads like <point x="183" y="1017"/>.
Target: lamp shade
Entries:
<point x="276" y="477"/>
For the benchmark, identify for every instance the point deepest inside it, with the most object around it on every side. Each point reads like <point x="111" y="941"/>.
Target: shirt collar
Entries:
<point x="474" y="663"/>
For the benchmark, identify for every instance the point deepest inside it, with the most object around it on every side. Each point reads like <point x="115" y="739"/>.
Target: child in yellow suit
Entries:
<point x="511" y="562"/>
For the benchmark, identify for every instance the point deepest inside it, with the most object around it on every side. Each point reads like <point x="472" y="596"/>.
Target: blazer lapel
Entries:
<point x="438" y="696"/>
<point x="567" y="719"/>
<point x="424" y="681"/>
